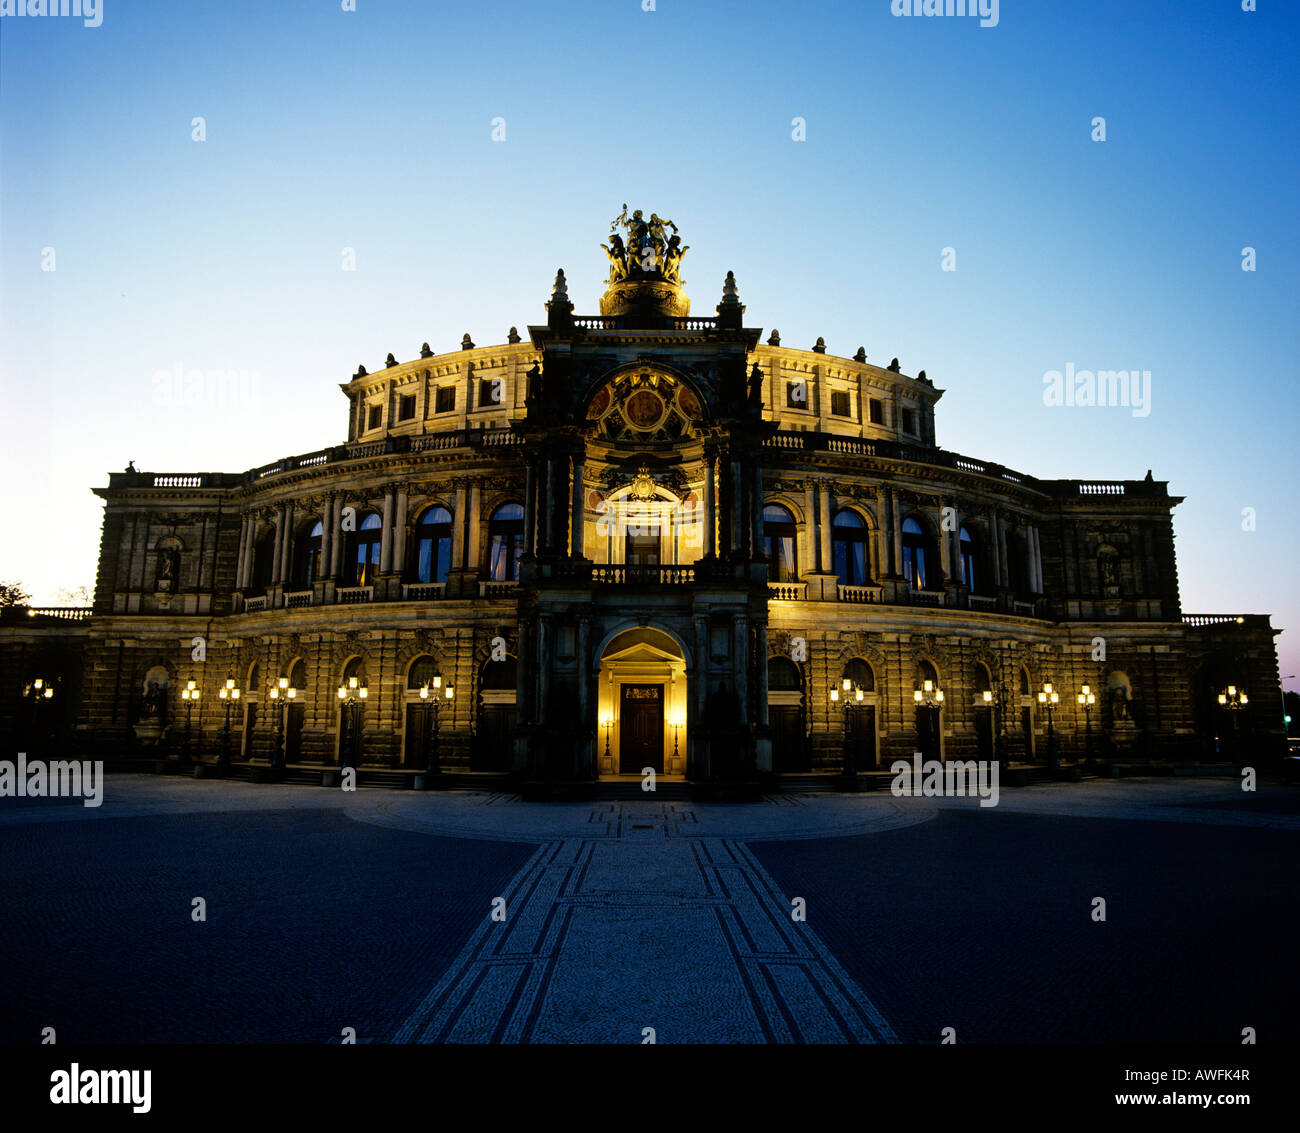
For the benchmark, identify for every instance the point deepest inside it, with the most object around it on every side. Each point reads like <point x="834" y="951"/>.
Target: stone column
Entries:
<point x="286" y="568"/>
<point x="584" y="698"/>
<point x="945" y="548"/>
<point x="399" y="532"/>
<point x="896" y="534"/>
<point x="475" y="524"/>
<point x="824" y="528"/>
<point x="812" y="547"/>
<point x="760" y="681"/>
<point x="327" y="535"/>
<point x="737" y="507"/>
<point x="241" y="560"/>
<point x="530" y="507"/>
<point x="336" y="536"/>
<point x="757" y="548"/>
<point x="458" y="529"/>
<point x="1003" y="563"/>
<point x="578" y="525"/>
<point x="543" y="668"/>
<point x="710" y="507"/>
<point x="386" y="534"/>
<point x="740" y="657"/>
<point x="277" y="552"/>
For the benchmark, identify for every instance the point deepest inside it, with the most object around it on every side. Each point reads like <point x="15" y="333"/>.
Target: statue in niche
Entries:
<point x="1108" y="569"/>
<point x="154" y="702"/>
<point x="1119" y="704"/>
<point x="756" y="388"/>
<point x="168" y="572"/>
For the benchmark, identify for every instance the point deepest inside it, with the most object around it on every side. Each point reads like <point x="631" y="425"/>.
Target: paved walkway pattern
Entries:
<point x="645" y="922"/>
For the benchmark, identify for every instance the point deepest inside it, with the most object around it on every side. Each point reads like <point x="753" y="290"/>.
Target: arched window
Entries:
<point x="983" y="682"/>
<point x="505" y="542"/>
<point x="422" y="672"/>
<point x="1024" y="682"/>
<point x="355" y="668"/>
<point x="861" y="674"/>
<point x="433" y="545"/>
<point x="298" y="673"/>
<point x="783" y="675"/>
<point x="263" y="553"/>
<point x="966" y="544"/>
<point x="778" y="543"/>
<point x="499" y="676"/>
<point x="849" y="547"/>
<point x="363" y="561"/>
<point x="307" y="561"/>
<point x="916" y="566"/>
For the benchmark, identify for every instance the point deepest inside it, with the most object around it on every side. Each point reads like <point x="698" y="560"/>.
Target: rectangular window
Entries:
<point x="374" y="416"/>
<point x="406" y="407"/>
<point x="445" y="401"/>
<point x="796" y="394"/>
<point x="840" y="403"/>
<point x="909" y="421"/>
<point x="877" y="411"/>
<point x="490" y="391"/>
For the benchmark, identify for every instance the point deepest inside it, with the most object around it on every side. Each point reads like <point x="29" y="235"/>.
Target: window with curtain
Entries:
<point x="505" y="542"/>
<point x="849" y="547"/>
<point x="779" y="534"/>
<point x="433" y="545"/>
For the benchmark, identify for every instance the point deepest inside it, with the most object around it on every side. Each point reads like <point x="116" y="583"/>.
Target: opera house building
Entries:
<point x="639" y="538"/>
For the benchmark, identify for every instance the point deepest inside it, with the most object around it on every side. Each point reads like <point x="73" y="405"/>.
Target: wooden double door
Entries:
<point x="641" y="729"/>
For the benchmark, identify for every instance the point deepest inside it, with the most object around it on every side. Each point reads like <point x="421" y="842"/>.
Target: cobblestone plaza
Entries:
<point x="378" y="910"/>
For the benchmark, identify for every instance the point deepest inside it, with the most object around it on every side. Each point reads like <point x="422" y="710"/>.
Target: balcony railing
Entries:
<point x="858" y="594"/>
<point x="62" y="613"/>
<point x="643" y="575"/>
<point x="297" y="599"/>
<point x="924" y="598"/>
<point x="497" y="589"/>
<point x="423" y="591"/>
<point x="253" y="605"/>
<point x="787" y="591"/>
<point x="1217" y="619"/>
<point x="354" y="595"/>
<point x="979" y="602"/>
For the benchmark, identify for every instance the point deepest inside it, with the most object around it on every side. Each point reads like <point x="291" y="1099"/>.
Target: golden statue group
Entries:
<point x="648" y="251"/>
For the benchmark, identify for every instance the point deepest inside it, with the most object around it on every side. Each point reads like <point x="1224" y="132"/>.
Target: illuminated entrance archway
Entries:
<point x="642" y="704"/>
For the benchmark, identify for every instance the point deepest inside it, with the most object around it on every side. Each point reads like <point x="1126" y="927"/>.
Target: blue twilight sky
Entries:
<point x="372" y="130"/>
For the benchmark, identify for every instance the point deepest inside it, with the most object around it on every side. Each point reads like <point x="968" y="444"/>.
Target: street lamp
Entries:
<point x="352" y="696"/>
<point x="607" y="722"/>
<point x="229" y="696"/>
<point x="1234" y="700"/>
<point x="190" y="694"/>
<point x="38" y="691"/>
<point x="432" y="703"/>
<point x="1087" y="701"/>
<point x="280" y="692"/>
<point x="1048" y="699"/>
<point x="676" y="724"/>
<point x="930" y="697"/>
<point x="852" y="696"/>
<point x="995" y="701"/>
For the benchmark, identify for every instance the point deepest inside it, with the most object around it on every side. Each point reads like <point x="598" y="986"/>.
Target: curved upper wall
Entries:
<point x="486" y="387"/>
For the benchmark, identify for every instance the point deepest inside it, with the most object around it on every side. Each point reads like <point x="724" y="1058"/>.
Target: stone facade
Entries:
<point x="637" y="539"/>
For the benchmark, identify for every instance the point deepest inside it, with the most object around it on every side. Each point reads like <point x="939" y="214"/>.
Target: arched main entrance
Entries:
<point x="642" y="704"/>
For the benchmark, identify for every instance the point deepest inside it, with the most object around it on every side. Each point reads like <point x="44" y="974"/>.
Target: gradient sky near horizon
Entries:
<point x="372" y="130"/>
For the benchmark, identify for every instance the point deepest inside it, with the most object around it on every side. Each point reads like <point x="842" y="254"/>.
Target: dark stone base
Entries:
<point x="738" y="791"/>
<point x="557" y="790"/>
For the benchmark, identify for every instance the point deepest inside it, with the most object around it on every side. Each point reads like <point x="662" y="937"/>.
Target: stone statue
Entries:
<point x="155" y="701"/>
<point x="130" y="466"/>
<point x="617" y="254"/>
<point x="1119" y="703"/>
<point x="673" y="254"/>
<point x="1109" y="576"/>
<point x="756" y="388"/>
